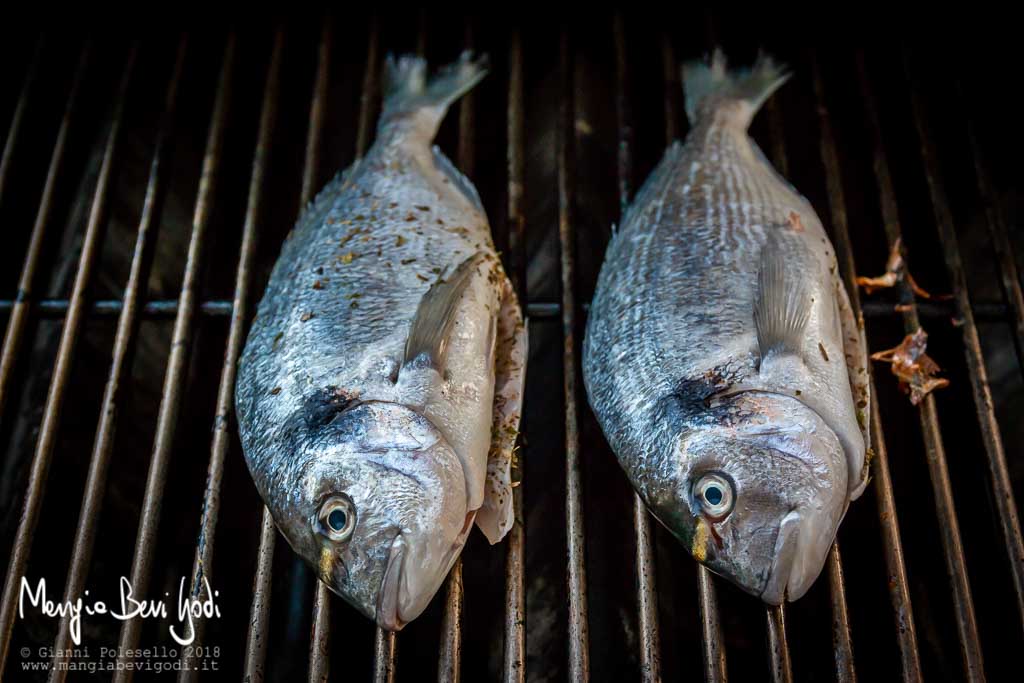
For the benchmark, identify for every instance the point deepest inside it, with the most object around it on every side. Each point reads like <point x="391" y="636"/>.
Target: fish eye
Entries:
<point x="337" y="518"/>
<point x="714" y="494"/>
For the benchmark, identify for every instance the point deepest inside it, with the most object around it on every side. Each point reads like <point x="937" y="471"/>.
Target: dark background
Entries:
<point x="961" y="74"/>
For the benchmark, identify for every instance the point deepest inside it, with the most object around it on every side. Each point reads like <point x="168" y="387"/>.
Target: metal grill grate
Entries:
<point x="652" y="637"/>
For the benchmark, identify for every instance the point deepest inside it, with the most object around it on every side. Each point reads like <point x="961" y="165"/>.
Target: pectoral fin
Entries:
<point x="782" y="305"/>
<point x="495" y="517"/>
<point x="435" y="317"/>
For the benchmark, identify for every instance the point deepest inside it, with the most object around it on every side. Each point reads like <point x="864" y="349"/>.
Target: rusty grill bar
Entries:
<point x="899" y="591"/>
<point x="131" y="310"/>
<point x="646" y="584"/>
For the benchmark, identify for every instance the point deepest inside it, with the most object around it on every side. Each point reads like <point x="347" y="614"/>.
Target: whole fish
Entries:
<point x="722" y="358"/>
<point x="379" y="392"/>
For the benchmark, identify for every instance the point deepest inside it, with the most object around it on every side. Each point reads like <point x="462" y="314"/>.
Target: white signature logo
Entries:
<point x="189" y="609"/>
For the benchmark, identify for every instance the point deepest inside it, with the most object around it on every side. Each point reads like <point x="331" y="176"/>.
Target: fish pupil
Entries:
<point x="337" y="520"/>
<point x="713" y="495"/>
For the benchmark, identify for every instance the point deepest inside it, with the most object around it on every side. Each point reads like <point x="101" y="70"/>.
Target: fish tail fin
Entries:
<point x="410" y="95"/>
<point x="712" y="90"/>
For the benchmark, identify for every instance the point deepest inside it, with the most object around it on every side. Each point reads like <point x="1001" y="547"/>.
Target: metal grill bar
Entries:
<point x="945" y="510"/>
<point x="623" y="117"/>
<point x="842" y="641"/>
<point x="384" y="656"/>
<point x="311" y="165"/>
<point x="713" y="644"/>
<point x="714" y="648"/>
<point x="201" y="567"/>
<point x="647" y="605"/>
<point x="1002" y="489"/>
<point x="899" y="591"/>
<point x="514" y="664"/>
<point x="62" y="370"/>
<point x="449" y="665"/>
<point x="670" y="70"/>
<point x="16" y="118"/>
<point x="259" y="614"/>
<point x="369" y="90"/>
<point x="579" y="655"/>
<point x="127" y="328"/>
<point x="20" y="310"/>
<point x="778" y="646"/>
<point x="545" y="311"/>
<point x="384" y="663"/>
<point x="449" y="661"/>
<point x="386" y="641"/>
<point x="996" y="222"/>
<point x="170" y="401"/>
<point x="320" y="642"/>
<point x="259" y="621"/>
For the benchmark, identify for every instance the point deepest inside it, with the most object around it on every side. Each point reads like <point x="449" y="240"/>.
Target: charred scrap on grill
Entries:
<point x="915" y="369"/>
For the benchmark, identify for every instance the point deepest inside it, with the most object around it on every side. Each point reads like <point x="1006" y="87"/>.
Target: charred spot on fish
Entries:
<point x="692" y="397"/>
<point x="325" y="404"/>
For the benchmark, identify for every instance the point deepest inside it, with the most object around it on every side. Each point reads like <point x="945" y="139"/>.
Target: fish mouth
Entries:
<point x="398" y="603"/>
<point x="388" y="616"/>
<point x="460" y="540"/>
<point x="783" y="562"/>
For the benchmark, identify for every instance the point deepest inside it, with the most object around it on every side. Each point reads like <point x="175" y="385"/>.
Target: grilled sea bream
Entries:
<point x="378" y="395"/>
<point x="722" y="358"/>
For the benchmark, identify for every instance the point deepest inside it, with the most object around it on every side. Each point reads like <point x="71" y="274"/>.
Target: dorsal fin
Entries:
<point x="782" y="305"/>
<point x="317" y="209"/>
<point x="654" y="189"/>
<point x="445" y="165"/>
<point x="435" y="316"/>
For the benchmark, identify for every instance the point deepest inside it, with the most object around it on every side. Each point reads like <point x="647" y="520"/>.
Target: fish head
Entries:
<point x="379" y="510"/>
<point x="764" y="487"/>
